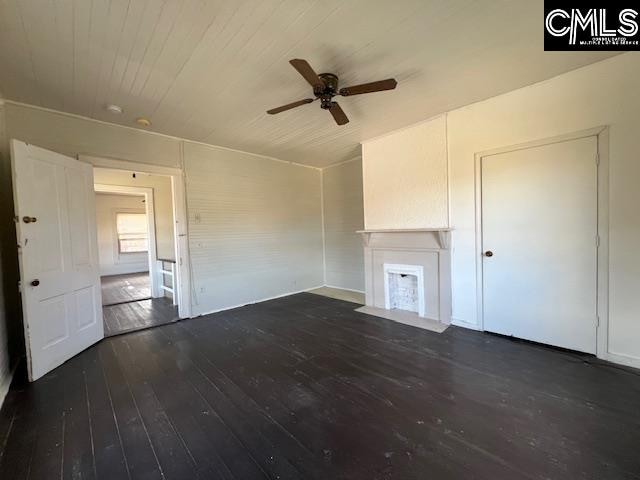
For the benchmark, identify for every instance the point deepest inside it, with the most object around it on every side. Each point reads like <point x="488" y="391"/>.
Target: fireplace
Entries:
<point x="408" y="276"/>
<point x="404" y="288"/>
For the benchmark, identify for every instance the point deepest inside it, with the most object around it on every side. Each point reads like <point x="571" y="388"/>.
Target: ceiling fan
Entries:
<point x="325" y="87"/>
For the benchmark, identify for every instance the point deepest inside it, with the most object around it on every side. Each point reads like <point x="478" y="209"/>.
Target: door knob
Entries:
<point x="26" y="219"/>
<point x="35" y="283"/>
<point x="488" y="253"/>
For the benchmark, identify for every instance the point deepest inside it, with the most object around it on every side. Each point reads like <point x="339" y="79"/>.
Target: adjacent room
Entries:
<point x="291" y="239"/>
<point x="136" y="249"/>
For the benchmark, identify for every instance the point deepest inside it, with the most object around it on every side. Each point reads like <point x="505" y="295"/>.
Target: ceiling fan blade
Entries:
<point x="304" y="69"/>
<point x="379" y="86"/>
<point x="289" y="106"/>
<point x="338" y="114"/>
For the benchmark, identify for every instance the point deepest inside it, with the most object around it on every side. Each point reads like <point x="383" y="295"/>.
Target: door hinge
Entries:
<point x="597" y="320"/>
<point x="19" y="286"/>
<point x="597" y="159"/>
<point x="597" y="241"/>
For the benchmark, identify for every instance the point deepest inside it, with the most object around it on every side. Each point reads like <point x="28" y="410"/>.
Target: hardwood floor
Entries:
<point x="127" y="317"/>
<point x="303" y="387"/>
<point x="125" y="288"/>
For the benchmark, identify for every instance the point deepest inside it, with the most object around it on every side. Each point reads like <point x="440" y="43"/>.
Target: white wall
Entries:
<point x="405" y="178"/>
<point x="255" y="227"/>
<point x="279" y="250"/>
<point x="605" y="93"/>
<point x="71" y="135"/>
<point x="602" y="94"/>
<point x="111" y="261"/>
<point x="343" y="216"/>
<point x="162" y="203"/>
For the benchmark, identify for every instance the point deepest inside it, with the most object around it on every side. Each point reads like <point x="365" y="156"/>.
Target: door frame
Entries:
<point x="183" y="262"/>
<point x="147" y="193"/>
<point x="602" y="262"/>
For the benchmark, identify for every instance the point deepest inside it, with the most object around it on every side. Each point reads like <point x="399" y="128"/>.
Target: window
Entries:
<point x="131" y="229"/>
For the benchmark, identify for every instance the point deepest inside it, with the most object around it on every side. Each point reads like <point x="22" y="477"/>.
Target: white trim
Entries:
<point x="151" y="132"/>
<point x="117" y="164"/>
<point x="343" y="288"/>
<point x="324" y="241"/>
<point x="182" y="267"/>
<point x="252" y="302"/>
<point x="602" y="135"/>
<point x="621" y="359"/>
<point x="447" y="147"/>
<point x="149" y="208"/>
<point x="342" y="162"/>
<point x="401" y="129"/>
<point x="464" y="324"/>
<point x="181" y="230"/>
<point x="403" y="269"/>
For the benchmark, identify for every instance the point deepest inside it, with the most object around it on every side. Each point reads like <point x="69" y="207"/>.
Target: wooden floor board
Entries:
<point x="247" y="422"/>
<point x="125" y="288"/>
<point x="138" y="450"/>
<point x="138" y="315"/>
<point x="110" y="461"/>
<point x="303" y="387"/>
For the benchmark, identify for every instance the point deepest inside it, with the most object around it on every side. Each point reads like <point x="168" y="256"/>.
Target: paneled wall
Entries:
<point x="72" y="135"/>
<point x="256" y="222"/>
<point x="343" y="216"/>
<point x="405" y="178"/>
<point x="255" y="227"/>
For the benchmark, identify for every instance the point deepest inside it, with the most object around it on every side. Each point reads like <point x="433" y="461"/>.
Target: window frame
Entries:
<point x="116" y="234"/>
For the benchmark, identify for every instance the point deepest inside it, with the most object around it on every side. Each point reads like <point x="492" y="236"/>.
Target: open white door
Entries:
<point x="60" y="283"/>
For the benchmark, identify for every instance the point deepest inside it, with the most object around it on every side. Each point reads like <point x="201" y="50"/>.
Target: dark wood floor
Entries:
<point x="303" y="387"/>
<point x="131" y="316"/>
<point x="125" y="288"/>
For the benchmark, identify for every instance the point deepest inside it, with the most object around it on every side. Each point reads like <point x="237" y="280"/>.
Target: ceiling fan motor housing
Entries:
<point x="329" y="91"/>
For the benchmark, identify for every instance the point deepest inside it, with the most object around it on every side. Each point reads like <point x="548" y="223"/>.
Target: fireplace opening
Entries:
<point x="404" y="288"/>
<point x="403" y="292"/>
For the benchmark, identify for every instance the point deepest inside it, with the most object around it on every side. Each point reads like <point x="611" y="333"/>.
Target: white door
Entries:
<point x="539" y="243"/>
<point x="60" y="283"/>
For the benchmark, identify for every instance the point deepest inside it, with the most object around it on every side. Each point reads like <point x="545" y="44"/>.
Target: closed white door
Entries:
<point x="60" y="283"/>
<point x="539" y="243"/>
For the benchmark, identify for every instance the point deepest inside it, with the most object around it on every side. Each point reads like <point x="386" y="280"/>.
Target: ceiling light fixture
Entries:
<point x="115" y="109"/>
<point x="143" y="122"/>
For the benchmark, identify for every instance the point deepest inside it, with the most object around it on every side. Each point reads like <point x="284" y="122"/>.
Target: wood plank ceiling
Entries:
<point x="208" y="70"/>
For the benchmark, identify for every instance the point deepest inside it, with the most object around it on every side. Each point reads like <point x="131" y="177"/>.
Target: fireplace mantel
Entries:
<point x="443" y="233"/>
<point x="424" y="248"/>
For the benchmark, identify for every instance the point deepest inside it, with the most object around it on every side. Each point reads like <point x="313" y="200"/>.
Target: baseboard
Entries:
<point x="461" y="323"/>
<point x="224" y="309"/>
<point x="5" y="384"/>
<point x="123" y="271"/>
<point x="343" y="288"/>
<point x="622" y="359"/>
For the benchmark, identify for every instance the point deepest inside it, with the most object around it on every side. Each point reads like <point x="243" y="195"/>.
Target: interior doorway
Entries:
<point x="539" y="243"/>
<point x="125" y="235"/>
<point x="136" y="243"/>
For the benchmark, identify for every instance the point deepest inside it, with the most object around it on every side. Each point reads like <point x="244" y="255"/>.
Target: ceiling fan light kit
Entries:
<point x="325" y="87"/>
